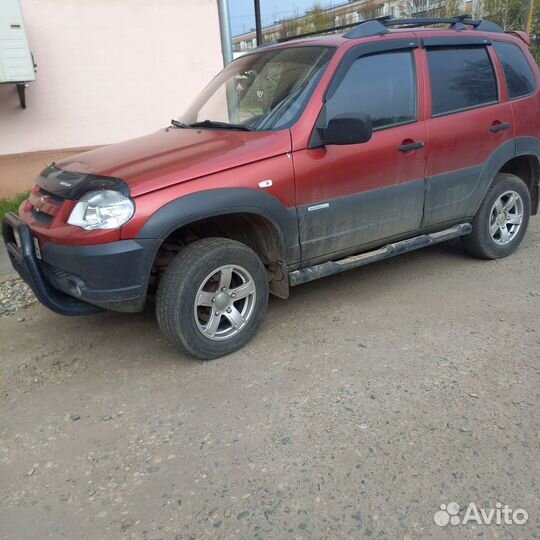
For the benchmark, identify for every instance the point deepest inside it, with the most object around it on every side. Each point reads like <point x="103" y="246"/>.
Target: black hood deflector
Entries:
<point x="73" y="185"/>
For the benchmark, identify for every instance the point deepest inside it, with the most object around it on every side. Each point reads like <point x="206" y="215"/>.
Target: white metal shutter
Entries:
<point x="16" y="63"/>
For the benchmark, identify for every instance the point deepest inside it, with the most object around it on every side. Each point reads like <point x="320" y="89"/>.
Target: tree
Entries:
<point x="432" y="8"/>
<point x="317" y="19"/>
<point x="288" y="28"/>
<point x="512" y="15"/>
<point x="509" y="14"/>
<point x="415" y="8"/>
<point x="453" y="8"/>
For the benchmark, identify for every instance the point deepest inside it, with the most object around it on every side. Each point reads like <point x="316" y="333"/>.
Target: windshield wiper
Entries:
<point x="179" y="124"/>
<point x="219" y="125"/>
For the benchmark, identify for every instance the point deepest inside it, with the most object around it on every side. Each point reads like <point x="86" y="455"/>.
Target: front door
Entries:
<point x="353" y="196"/>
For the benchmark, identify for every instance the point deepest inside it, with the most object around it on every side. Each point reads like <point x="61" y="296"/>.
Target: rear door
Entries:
<point x="471" y="125"/>
<point x="352" y="196"/>
<point x="519" y="71"/>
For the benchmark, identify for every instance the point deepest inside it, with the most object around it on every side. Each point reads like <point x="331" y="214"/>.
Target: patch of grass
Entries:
<point x="12" y="204"/>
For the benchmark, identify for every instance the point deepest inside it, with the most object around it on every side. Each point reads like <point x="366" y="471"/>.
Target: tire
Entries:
<point x="190" y="296"/>
<point x="497" y="213"/>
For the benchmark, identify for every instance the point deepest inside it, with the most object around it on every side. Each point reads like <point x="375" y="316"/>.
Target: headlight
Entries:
<point x="105" y="209"/>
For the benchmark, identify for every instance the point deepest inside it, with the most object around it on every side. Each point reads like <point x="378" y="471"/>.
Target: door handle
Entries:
<point x="499" y="126"/>
<point x="410" y="146"/>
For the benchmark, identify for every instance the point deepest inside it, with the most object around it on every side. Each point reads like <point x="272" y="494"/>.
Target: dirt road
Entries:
<point x="367" y="401"/>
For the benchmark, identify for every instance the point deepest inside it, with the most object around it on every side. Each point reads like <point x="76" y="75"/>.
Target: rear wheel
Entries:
<point x="212" y="297"/>
<point x="502" y="219"/>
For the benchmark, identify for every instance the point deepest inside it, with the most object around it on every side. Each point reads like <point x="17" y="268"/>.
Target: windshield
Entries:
<point x="261" y="91"/>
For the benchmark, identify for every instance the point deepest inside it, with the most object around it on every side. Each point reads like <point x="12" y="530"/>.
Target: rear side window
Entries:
<point x="461" y="78"/>
<point x="382" y="85"/>
<point x="517" y="71"/>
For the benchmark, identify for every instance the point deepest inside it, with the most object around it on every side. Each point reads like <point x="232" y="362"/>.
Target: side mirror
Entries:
<point x="347" y="129"/>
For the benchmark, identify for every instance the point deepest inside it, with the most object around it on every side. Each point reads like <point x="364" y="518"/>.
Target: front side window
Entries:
<point x="517" y="71"/>
<point x="261" y="91"/>
<point x="382" y="85"/>
<point x="461" y="78"/>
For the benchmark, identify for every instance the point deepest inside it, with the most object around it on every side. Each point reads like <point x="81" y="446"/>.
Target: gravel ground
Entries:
<point x="366" y="401"/>
<point x="14" y="295"/>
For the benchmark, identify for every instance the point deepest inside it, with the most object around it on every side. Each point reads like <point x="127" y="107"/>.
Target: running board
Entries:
<point x="390" y="250"/>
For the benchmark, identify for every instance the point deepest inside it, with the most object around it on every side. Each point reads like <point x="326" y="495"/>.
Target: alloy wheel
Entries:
<point x="506" y="217"/>
<point x="225" y="302"/>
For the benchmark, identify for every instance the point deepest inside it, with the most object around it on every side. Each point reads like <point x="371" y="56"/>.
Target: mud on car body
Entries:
<point x="299" y="160"/>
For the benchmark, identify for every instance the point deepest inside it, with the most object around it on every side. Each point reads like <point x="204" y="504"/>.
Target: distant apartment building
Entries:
<point x="351" y="12"/>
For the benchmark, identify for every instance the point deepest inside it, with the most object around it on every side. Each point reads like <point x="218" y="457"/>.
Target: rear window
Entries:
<point x="461" y="78"/>
<point x="517" y="71"/>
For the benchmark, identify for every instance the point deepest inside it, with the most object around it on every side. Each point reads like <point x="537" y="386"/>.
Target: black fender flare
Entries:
<point x="218" y="202"/>
<point x="530" y="146"/>
<point x="521" y="146"/>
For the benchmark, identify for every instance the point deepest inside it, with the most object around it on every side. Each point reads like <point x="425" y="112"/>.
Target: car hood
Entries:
<point x="172" y="155"/>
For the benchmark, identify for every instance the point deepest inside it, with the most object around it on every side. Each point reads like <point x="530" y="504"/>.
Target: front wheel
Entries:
<point x="502" y="219"/>
<point x="212" y="297"/>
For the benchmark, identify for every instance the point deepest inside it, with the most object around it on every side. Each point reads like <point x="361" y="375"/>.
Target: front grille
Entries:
<point x="47" y="206"/>
<point x="44" y="219"/>
<point x="55" y="199"/>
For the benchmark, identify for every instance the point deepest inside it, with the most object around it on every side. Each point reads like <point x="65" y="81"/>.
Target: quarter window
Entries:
<point x="461" y="78"/>
<point x="517" y="70"/>
<point x="382" y="85"/>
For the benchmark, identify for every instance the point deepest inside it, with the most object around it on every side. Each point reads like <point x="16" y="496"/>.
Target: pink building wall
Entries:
<point x="108" y="70"/>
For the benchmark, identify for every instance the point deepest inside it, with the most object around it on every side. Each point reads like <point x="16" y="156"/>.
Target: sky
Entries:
<point x="243" y="13"/>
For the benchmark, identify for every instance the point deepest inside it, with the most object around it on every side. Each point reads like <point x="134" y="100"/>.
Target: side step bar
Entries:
<point x="390" y="250"/>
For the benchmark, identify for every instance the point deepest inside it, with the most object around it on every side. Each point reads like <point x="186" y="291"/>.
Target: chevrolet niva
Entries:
<point x="299" y="160"/>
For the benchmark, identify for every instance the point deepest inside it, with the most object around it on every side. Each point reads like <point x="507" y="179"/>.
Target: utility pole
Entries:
<point x="225" y="28"/>
<point x="258" y="23"/>
<point x="530" y="9"/>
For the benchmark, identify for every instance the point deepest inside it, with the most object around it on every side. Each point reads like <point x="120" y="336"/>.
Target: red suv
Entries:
<point x="299" y="160"/>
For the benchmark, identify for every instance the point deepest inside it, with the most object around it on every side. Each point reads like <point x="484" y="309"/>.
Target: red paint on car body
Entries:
<point x="172" y="163"/>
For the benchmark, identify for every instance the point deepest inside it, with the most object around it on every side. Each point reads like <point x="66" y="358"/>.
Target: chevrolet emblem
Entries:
<point x="38" y="205"/>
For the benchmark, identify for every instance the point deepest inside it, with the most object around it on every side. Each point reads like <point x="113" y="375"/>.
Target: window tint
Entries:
<point x="382" y="85"/>
<point x="517" y="71"/>
<point x="461" y="78"/>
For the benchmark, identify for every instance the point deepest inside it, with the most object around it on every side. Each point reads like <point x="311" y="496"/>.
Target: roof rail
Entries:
<point x="379" y="26"/>
<point x="373" y="27"/>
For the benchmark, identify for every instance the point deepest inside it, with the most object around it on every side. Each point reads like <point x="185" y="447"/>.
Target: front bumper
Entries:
<point x="80" y="280"/>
